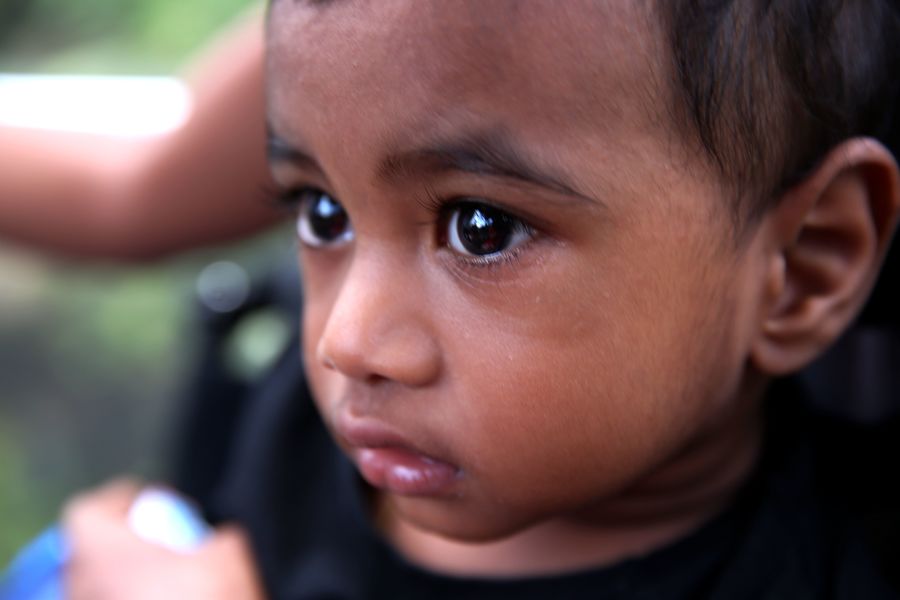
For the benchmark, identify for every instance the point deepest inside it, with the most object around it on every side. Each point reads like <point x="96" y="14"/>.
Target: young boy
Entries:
<point x="553" y="255"/>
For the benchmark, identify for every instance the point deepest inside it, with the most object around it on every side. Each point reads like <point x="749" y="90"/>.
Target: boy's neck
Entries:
<point x="668" y="504"/>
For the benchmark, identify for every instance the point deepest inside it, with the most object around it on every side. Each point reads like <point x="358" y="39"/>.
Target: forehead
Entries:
<point x="404" y="68"/>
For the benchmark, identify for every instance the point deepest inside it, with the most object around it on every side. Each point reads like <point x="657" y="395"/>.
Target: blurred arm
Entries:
<point x="110" y="562"/>
<point x="87" y="196"/>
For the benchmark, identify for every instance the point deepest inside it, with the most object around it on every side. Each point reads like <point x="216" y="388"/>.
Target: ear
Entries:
<point x="825" y="243"/>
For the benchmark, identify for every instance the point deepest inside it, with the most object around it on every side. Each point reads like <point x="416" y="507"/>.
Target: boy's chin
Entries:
<point x="456" y="521"/>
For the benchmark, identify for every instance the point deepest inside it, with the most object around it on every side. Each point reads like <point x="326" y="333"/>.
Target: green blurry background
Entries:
<point x="93" y="357"/>
<point x="108" y="36"/>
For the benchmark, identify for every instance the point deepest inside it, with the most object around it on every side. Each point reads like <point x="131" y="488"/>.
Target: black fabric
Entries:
<point x="790" y="534"/>
<point x="215" y="398"/>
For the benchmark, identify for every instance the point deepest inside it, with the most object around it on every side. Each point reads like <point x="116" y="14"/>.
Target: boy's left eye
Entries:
<point x="480" y="230"/>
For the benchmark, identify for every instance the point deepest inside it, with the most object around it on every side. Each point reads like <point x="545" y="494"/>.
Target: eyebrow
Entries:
<point x="491" y="154"/>
<point x="279" y="150"/>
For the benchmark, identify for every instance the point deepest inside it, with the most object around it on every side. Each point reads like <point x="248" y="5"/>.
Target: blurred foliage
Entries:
<point x="17" y="500"/>
<point x="107" y="35"/>
<point x="91" y="367"/>
<point x="93" y="358"/>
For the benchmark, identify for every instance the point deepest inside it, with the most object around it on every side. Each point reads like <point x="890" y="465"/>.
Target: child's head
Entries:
<point x="520" y="254"/>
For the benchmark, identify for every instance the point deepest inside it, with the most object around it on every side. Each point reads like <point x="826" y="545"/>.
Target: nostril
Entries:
<point x="342" y="355"/>
<point x="324" y="358"/>
<point x="375" y="379"/>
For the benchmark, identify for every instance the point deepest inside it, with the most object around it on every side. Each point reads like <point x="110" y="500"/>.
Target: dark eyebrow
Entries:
<point x="280" y="150"/>
<point x="492" y="154"/>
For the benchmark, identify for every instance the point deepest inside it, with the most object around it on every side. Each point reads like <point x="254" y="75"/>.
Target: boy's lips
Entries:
<point x="391" y="463"/>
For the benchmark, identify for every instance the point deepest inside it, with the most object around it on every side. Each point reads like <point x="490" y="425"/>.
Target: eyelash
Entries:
<point x="286" y="200"/>
<point x="441" y="209"/>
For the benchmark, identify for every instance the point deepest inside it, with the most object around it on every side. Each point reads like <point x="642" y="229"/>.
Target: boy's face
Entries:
<point x="573" y="317"/>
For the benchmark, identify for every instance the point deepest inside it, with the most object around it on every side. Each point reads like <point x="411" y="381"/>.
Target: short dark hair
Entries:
<point x="768" y="87"/>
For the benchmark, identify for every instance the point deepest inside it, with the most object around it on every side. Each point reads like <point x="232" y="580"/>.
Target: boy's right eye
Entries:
<point x="321" y="220"/>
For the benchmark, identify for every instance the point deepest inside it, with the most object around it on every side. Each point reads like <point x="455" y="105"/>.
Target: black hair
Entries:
<point x="768" y="87"/>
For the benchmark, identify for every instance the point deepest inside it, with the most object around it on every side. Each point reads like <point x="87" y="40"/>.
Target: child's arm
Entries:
<point x="88" y="196"/>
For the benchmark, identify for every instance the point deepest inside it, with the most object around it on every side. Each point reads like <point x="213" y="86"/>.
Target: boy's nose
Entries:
<point x="378" y="328"/>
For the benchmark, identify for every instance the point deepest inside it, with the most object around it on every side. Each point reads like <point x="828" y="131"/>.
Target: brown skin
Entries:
<point x="92" y="197"/>
<point x="596" y="389"/>
<point x="598" y="386"/>
<point x="554" y="380"/>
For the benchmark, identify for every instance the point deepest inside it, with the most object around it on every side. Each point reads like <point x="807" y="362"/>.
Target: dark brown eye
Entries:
<point x="475" y="229"/>
<point x="322" y="221"/>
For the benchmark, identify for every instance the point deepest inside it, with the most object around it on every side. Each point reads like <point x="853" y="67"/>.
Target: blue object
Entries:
<point x="157" y="515"/>
<point x="36" y="572"/>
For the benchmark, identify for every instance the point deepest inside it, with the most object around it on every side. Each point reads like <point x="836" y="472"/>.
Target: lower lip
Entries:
<point x="406" y="473"/>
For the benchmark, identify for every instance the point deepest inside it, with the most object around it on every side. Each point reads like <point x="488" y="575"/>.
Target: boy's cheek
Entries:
<point x="612" y="391"/>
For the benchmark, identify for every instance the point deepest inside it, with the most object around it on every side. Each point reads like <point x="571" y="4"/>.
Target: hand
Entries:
<point x="110" y="562"/>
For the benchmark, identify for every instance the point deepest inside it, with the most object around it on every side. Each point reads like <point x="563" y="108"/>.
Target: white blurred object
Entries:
<point x="127" y="106"/>
<point x="164" y="518"/>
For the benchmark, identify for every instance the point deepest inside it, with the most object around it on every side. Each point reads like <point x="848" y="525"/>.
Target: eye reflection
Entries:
<point x="322" y="220"/>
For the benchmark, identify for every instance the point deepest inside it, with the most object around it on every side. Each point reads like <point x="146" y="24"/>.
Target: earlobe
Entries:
<point x="828" y="237"/>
